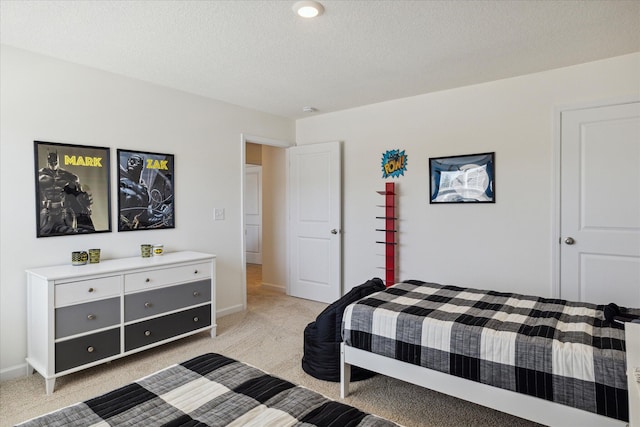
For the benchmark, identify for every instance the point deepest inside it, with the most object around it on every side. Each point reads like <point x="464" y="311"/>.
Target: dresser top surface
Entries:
<point x="67" y="271"/>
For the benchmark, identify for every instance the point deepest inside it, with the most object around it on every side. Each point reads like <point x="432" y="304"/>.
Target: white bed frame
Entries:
<point x="521" y="405"/>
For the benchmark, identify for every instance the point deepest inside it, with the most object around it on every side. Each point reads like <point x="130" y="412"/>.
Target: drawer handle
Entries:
<point x="147" y="280"/>
<point x="90" y="349"/>
<point x="147" y="333"/>
<point x="196" y="294"/>
<point x="91" y="289"/>
<point x="91" y="317"/>
<point x="195" y="272"/>
<point x="148" y="304"/>
<point x="195" y="319"/>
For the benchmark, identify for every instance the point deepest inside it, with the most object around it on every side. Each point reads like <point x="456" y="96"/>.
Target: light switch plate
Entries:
<point x="218" y="214"/>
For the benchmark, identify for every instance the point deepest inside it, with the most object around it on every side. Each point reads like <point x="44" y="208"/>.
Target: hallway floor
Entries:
<point x="254" y="283"/>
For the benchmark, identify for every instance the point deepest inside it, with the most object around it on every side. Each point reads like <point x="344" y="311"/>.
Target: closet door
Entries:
<point x="253" y="213"/>
<point x="600" y="205"/>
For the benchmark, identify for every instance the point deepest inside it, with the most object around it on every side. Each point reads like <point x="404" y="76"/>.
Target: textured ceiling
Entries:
<point x="259" y="54"/>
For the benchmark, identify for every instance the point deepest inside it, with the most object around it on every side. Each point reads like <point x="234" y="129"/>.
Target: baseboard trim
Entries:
<point x="13" y="372"/>
<point x="274" y="286"/>
<point x="229" y="310"/>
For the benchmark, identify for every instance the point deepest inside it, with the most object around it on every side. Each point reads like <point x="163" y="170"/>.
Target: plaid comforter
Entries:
<point x="552" y="349"/>
<point x="210" y="390"/>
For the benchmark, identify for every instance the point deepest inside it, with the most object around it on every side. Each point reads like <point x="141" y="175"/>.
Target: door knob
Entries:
<point x="334" y="231"/>
<point x="569" y="241"/>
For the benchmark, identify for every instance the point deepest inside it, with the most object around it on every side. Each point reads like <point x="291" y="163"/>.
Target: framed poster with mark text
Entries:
<point x="72" y="189"/>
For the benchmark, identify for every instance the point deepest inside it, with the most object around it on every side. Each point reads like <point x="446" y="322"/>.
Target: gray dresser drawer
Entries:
<point x="79" y="318"/>
<point x="161" y="328"/>
<point x="87" y="349"/>
<point x="157" y="301"/>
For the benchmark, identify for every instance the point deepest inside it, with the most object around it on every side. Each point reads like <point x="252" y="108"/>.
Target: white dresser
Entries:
<point x="81" y="316"/>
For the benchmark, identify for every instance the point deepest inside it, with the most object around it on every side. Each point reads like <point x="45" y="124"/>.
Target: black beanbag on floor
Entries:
<point x="322" y="338"/>
<point x="618" y="316"/>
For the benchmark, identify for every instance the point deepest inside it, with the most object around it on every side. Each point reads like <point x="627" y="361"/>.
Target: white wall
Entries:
<point x="274" y="219"/>
<point x="50" y="100"/>
<point x="503" y="246"/>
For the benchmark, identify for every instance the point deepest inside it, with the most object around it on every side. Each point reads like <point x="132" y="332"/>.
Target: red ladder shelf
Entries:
<point x="389" y="232"/>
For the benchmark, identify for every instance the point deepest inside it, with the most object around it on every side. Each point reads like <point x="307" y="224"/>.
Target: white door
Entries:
<point x="315" y="249"/>
<point x="253" y="213"/>
<point x="600" y="205"/>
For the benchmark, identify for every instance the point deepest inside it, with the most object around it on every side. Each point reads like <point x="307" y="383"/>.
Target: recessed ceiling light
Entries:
<point x="308" y="8"/>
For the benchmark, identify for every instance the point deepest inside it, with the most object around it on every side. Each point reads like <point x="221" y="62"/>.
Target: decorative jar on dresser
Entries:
<point x="82" y="316"/>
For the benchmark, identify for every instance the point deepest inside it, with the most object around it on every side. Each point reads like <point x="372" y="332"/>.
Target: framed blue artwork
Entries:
<point x="468" y="178"/>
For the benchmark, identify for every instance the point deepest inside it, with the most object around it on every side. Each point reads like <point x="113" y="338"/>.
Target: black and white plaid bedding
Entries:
<point x="553" y="349"/>
<point x="210" y="390"/>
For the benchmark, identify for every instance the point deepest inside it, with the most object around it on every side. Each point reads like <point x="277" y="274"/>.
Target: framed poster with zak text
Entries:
<point x="146" y="199"/>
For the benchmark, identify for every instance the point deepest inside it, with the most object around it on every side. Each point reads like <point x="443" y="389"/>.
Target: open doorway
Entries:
<point x="254" y="278"/>
<point x="264" y="248"/>
<point x="253" y="217"/>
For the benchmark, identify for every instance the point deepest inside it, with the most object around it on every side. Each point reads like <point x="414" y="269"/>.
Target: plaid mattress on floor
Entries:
<point x="549" y="348"/>
<point x="210" y="390"/>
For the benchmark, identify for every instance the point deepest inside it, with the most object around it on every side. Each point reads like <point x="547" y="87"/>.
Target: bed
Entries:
<point x="547" y="360"/>
<point x="209" y="390"/>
